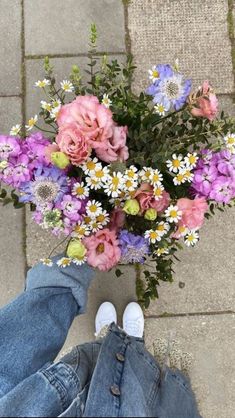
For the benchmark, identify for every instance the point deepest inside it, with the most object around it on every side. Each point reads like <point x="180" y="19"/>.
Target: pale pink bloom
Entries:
<point x="117" y="219"/>
<point x="205" y="103"/>
<point x="72" y="142"/>
<point x="146" y="199"/>
<point x="103" y="251"/>
<point x="93" y="119"/>
<point x="49" y="150"/>
<point x="114" y="148"/>
<point x="193" y="212"/>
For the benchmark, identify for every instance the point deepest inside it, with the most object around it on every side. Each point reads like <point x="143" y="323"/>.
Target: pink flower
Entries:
<point x="72" y="142"/>
<point x="114" y="148"/>
<point x="103" y="251"/>
<point x="117" y="220"/>
<point x="146" y="199"/>
<point x="193" y="212"/>
<point x="93" y="119"/>
<point x="205" y="102"/>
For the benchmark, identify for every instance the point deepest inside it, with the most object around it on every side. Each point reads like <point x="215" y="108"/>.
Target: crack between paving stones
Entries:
<point x="231" y="34"/>
<point x="189" y="314"/>
<point x="78" y="55"/>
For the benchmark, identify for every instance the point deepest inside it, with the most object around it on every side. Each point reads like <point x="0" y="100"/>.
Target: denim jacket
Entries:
<point x="112" y="377"/>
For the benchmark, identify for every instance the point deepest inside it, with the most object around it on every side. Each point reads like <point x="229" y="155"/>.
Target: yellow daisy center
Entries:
<point x="192" y="159"/>
<point x="161" y="227"/>
<point x="161" y="108"/>
<point x="158" y="192"/>
<point x="153" y="235"/>
<point x="115" y="181"/>
<point x="100" y="218"/>
<point x="182" y="229"/>
<point x="131" y="173"/>
<point x="147" y="173"/>
<point x="93" y="208"/>
<point x="180" y="177"/>
<point x="99" y="174"/>
<point x="31" y="122"/>
<point x="128" y="183"/>
<point x="79" y="230"/>
<point x="155" y="74"/>
<point x="65" y="262"/>
<point x="231" y="140"/>
<point x="155" y="178"/>
<point x="173" y="213"/>
<point x="87" y="220"/>
<point x="190" y="238"/>
<point x="80" y="190"/>
<point x="91" y="165"/>
<point x="176" y="163"/>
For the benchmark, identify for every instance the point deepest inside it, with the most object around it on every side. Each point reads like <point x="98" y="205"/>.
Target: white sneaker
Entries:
<point x="133" y="320"/>
<point x="105" y="316"/>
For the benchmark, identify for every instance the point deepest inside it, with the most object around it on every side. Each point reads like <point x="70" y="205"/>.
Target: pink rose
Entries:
<point x="93" y="119"/>
<point x="205" y="102"/>
<point x="103" y="251"/>
<point x="117" y="219"/>
<point x="193" y="212"/>
<point x="114" y="149"/>
<point x="72" y="142"/>
<point x="146" y="199"/>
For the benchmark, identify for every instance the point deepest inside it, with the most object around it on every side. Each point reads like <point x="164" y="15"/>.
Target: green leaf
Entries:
<point x="118" y="272"/>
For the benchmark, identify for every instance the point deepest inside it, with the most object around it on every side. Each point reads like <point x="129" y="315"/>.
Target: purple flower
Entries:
<point x="221" y="190"/>
<point x="17" y="172"/>
<point x="203" y="179"/>
<point x="134" y="248"/>
<point x="9" y="147"/>
<point x="48" y="187"/>
<point x="170" y="89"/>
<point x="34" y="146"/>
<point x="71" y="207"/>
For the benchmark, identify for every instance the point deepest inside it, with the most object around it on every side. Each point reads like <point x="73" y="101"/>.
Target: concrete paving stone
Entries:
<point x="10" y="113"/>
<point x="105" y="287"/>
<point x="226" y="103"/>
<point x="195" y="32"/>
<point x="12" y="267"/>
<point x="10" y="47"/>
<point x="50" y="29"/>
<point x="62" y="69"/>
<point x="207" y="272"/>
<point x="211" y="341"/>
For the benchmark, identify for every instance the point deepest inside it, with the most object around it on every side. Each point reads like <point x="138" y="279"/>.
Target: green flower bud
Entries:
<point x="150" y="214"/>
<point x="60" y="159"/>
<point x="132" y="207"/>
<point x="76" y="249"/>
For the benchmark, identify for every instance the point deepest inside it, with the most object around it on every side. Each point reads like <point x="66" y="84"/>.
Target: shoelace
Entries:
<point x="132" y="328"/>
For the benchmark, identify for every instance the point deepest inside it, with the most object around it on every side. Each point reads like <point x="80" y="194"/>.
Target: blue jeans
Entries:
<point x="112" y="377"/>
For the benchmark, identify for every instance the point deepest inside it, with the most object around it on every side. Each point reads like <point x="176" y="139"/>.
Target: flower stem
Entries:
<point x="58" y="245"/>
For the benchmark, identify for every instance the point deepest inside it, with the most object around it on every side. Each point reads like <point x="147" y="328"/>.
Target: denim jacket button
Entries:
<point x="115" y="390"/>
<point x="120" y="357"/>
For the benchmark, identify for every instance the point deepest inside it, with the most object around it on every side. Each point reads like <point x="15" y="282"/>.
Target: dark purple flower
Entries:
<point x="134" y="248"/>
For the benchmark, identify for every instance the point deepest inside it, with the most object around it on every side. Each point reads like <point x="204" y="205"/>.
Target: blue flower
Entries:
<point x="170" y="89"/>
<point x="48" y="187"/>
<point x="134" y="248"/>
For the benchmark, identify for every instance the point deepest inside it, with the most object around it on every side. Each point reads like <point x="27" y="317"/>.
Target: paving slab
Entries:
<point x="207" y="272"/>
<point x="105" y="287"/>
<point x="226" y="103"/>
<point x="62" y="70"/>
<point x="50" y="29"/>
<point x="10" y="113"/>
<point x="10" y="47"/>
<point x="195" y="32"/>
<point x="211" y="341"/>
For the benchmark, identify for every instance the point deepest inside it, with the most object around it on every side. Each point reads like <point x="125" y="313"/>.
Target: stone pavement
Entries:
<point x="198" y="309"/>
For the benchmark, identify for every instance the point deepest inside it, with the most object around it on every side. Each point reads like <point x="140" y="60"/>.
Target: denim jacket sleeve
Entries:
<point x="34" y="326"/>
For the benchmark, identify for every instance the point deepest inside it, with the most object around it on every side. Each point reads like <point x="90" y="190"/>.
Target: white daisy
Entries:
<point x="95" y="226"/>
<point x="156" y="177"/>
<point x="153" y="235"/>
<point x="80" y="190"/>
<point x="114" y="184"/>
<point x="131" y="173"/>
<point x="93" y="183"/>
<point x="129" y="185"/>
<point x="158" y="191"/>
<point x="103" y="218"/>
<point x="176" y="163"/>
<point x="106" y="101"/>
<point x="81" y="230"/>
<point x="79" y="261"/>
<point x="55" y="112"/>
<point x="191" y="238"/>
<point x="182" y="230"/>
<point x="160" y="109"/>
<point x="42" y="83"/>
<point x="31" y="123"/>
<point x="67" y="86"/>
<point x="163" y="227"/>
<point x="173" y="214"/>
<point x="15" y="130"/>
<point x="188" y="175"/>
<point x="161" y="251"/>
<point x="93" y="208"/>
<point x="46" y="106"/>
<point x="91" y="165"/>
<point x="230" y="142"/>
<point x="145" y="173"/>
<point x="64" y="262"/>
<point x="99" y="174"/>
<point x="47" y="262"/>
<point x="191" y="160"/>
<point x="154" y="74"/>
<point x="179" y="178"/>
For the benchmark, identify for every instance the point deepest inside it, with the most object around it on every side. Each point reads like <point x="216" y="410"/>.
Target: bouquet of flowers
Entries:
<point x="123" y="177"/>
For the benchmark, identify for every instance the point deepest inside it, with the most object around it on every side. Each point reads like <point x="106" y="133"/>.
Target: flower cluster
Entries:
<point x="122" y="186"/>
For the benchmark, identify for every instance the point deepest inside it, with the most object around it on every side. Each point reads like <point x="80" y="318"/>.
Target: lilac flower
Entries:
<point x="9" y="147"/>
<point x="71" y="207"/>
<point x="203" y="179"/>
<point x="47" y="188"/>
<point x="34" y="146"/>
<point x="170" y="89"/>
<point x="221" y="190"/>
<point x="134" y="248"/>
<point x="17" y="172"/>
